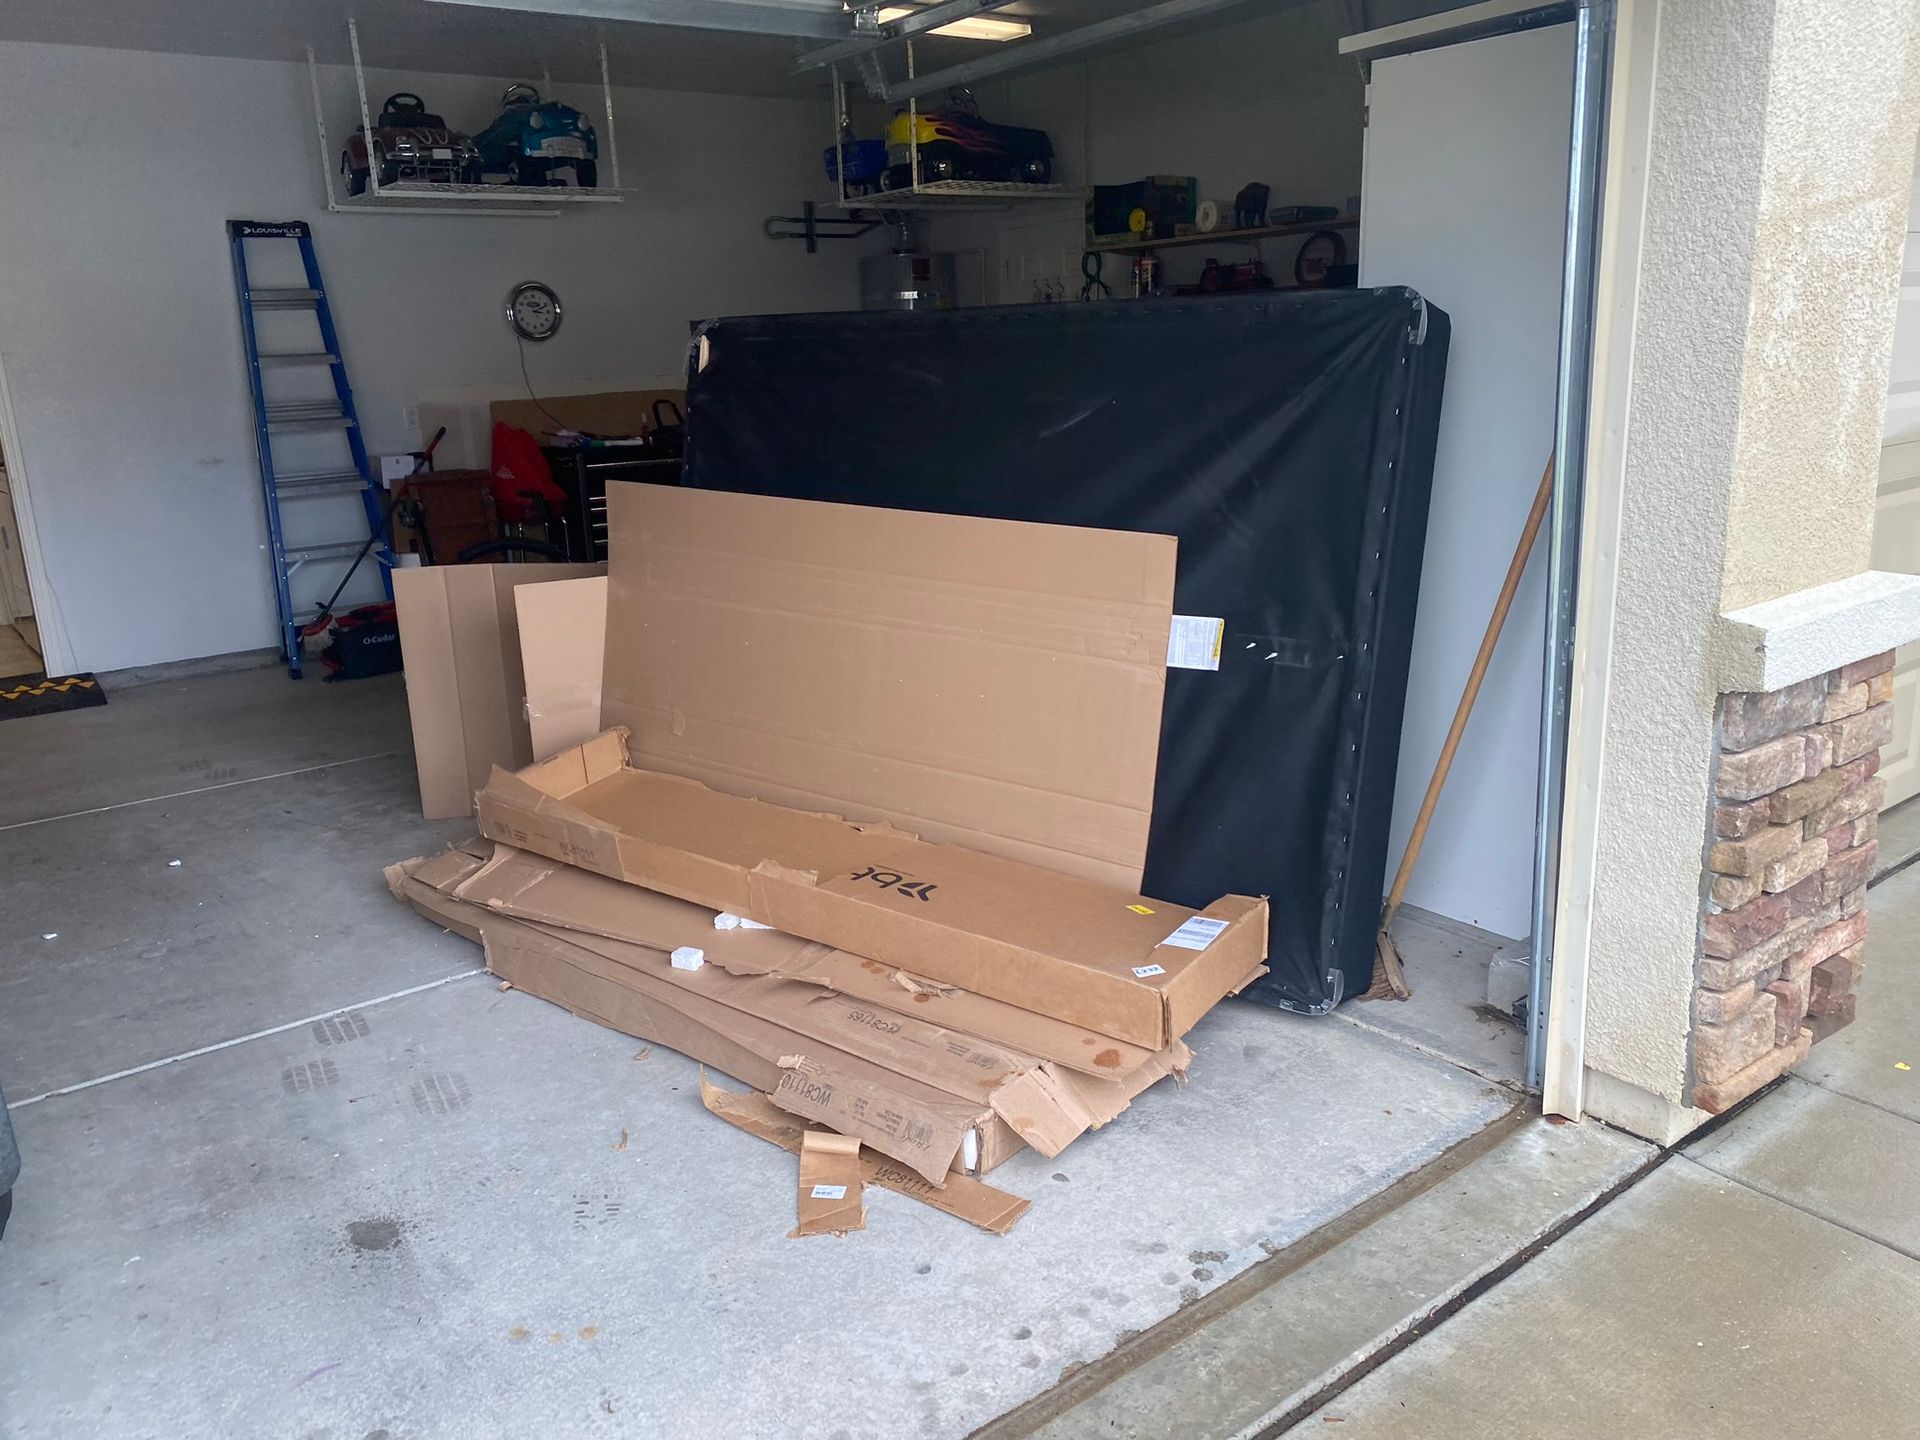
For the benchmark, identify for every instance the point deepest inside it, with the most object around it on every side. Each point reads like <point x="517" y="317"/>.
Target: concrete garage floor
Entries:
<point x="293" y="1166"/>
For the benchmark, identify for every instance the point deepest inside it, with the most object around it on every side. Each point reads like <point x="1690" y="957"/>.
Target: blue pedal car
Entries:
<point x="866" y="161"/>
<point x="538" y="142"/>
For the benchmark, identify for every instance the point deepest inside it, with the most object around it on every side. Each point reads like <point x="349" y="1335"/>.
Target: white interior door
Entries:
<point x="1896" y="532"/>
<point x="1464" y="199"/>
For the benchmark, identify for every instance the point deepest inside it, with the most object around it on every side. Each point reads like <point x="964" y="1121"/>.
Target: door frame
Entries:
<point x="55" y="653"/>
<point x="1587" y="481"/>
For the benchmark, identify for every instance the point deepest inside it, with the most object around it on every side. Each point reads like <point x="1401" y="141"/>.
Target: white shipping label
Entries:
<point x="1146" y="971"/>
<point x="829" y="1192"/>
<point x="1194" y="642"/>
<point x="1196" y="934"/>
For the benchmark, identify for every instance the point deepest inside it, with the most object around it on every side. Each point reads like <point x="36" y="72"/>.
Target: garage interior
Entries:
<point x="294" y="1161"/>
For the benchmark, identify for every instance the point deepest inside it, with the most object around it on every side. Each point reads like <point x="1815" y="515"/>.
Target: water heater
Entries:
<point x="907" y="280"/>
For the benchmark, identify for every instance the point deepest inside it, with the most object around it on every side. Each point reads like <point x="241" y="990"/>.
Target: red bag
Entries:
<point x="520" y="475"/>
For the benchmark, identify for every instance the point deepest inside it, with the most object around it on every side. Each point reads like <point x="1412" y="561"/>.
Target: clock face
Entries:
<point x="534" y="311"/>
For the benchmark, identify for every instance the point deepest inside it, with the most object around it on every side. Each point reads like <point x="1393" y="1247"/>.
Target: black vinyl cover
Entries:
<point x="1287" y="440"/>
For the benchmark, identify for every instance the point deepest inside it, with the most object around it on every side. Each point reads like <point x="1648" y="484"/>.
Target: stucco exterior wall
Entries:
<point x="1763" y="267"/>
<point x="1833" y="191"/>
<point x="1696" y="244"/>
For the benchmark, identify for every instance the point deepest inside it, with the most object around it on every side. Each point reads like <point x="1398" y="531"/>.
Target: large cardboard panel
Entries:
<point x="465" y="683"/>
<point x="563" y="641"/>
<point x="980" y="682"/>
<point x="1108" y="959"/>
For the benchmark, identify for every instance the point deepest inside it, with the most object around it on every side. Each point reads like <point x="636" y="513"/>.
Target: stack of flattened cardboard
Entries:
<point x="960" y="970"/>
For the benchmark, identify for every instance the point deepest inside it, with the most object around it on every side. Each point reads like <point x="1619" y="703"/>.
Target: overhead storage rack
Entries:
<point x="445" y="197"/>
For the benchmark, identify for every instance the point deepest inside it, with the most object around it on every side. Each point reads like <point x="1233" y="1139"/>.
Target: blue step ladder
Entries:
<point x="313" y="419"/>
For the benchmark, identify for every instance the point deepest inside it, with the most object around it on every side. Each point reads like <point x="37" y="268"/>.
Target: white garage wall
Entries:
<point x="1267" y="99"/>
<point x="120" y="340"/>
<point x="1465" y="158"/>
<point x="1465" y="200"/>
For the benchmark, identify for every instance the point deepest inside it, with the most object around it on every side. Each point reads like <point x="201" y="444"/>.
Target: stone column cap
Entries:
<point x="1781" y="642"/>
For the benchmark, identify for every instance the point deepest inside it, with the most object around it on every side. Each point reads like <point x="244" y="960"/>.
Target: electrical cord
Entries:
<point x="538" y="403"/>
<point x="1092" y="262"/>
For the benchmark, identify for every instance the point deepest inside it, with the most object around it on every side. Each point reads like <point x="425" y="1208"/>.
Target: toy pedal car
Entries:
<point x="539" y="142"/>
<point x="956" y="144"/>
<point x="410" y="143"/>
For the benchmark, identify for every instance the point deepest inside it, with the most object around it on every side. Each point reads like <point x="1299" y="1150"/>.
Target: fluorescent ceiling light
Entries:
<point x="974" y="27"/>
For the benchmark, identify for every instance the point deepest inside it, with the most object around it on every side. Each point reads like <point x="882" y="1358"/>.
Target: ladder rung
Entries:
<point x="330" y="550"/>
<point x="303" y="409"/>
<point x="295" y="485"/>
<point x="300" y="357"/>
<point x="309" y="422"/>
<point x="283" y="299"/>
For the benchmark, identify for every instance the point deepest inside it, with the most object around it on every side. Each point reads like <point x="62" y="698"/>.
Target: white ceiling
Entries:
<point x="434" y="37"/>
<point x="486" y="37"/>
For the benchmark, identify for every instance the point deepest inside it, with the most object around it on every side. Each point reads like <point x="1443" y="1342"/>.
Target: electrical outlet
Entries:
<point x="410" y="420"/>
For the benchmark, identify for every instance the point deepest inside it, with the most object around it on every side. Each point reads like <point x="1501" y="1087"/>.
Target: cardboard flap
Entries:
<point x="817" y="1088"/>
<point x="832" y="1197"/>
<point x="971" y="1200"/>
<point x="530" y="887"/>
<point x="1042" y="1111"/>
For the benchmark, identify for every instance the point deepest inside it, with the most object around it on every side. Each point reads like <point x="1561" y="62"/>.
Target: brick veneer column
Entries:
<point x="1784" y="921"/>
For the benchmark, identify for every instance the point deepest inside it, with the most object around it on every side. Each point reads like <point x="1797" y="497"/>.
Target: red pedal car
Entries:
<point x="410" y="143"/>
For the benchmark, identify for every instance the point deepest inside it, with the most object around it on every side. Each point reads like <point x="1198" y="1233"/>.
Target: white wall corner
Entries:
<point x="1782" y="642"/>
<point x="1627" y="1107"/>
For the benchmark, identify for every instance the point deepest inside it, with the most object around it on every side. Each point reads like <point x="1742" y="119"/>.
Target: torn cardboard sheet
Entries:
<point x="899" y="1115"/>
<point x="1079" y="951"/>
<point x="932" y="1097"/>
<point x="971" y="1200"/>
<point x="781" y="982"/>
<point x="988" y="683"/>
<point x="832" y="1198"/>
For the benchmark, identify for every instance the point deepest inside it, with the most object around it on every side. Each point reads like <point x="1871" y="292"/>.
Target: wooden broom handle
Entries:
<point x="1495" y="624"/>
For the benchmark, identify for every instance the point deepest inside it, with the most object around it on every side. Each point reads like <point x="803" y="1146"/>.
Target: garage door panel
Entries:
<point x="1900" y="761"/>
<point x="1896" y="530"/>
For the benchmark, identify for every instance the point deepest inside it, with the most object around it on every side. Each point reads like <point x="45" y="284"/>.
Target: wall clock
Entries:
<point x="533" y="310"/>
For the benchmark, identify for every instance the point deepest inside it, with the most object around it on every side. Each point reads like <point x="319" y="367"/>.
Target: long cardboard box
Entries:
<point x="531" y="887"/>
<point x="466" y="688"/>
<point x="914" y="1089"/>
<point x="1137" y="969"/>
<point x="987" y="683"/>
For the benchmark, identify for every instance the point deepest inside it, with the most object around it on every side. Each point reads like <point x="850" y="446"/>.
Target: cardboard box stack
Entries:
<point x="865" y="834"/>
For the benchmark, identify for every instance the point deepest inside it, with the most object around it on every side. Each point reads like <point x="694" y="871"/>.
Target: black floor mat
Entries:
<point x="43" y="694"/>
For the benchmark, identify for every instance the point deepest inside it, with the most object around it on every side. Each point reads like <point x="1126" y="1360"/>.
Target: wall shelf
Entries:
<point x="1225" y="237"/>
<point x="958" y="195"/>
<point x="436" y="193"/>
